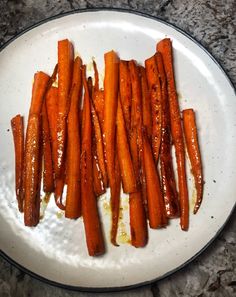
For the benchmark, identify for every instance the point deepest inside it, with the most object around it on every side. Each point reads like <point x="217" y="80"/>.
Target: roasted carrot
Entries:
<point x="156" y="208"/>
<point x="98" y="185"/>
<point x="59" y="187"/>
<point x="39" y="88"/>
<point x="48" y="179"/>
<point x="165" y="48"/>
<point x="98" y="102"/>
<point x="52" y="109"/>
<point x="115" y="201"/>
<point x="53" y="77"/>
<point x="125" y="91"/>
<point x="124" y="156"/>
<point x="166" y="165"/>
<point x="155" y="92"/>
<point x="90" y="86"/>
<point x="17" y="125"/>
<point x="146" y="102"/>
<point x="32" y="170"/>
<point x="73" y="199"/>
<point x="192" y="144"/>
<point x="96" y="76"/>
<point x="65" y="68"/>
<point x="93" y="230"/>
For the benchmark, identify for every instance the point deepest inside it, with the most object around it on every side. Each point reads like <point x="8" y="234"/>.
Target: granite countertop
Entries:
<point x="213" y="24"/>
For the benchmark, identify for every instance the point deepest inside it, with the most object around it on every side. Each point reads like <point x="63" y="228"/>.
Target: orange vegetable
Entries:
<point x="93" y="230"/>
<point x="165" y="48"/>
<point x="98" y="185"/>
<point x="96" y="76"/>
<point x="166" y="165"/>
<point x="59" y="187"/>
<point x="17" y="126"/>
<point x="191" y="138"/>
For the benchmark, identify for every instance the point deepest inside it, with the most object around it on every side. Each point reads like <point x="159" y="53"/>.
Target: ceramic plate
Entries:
<point x="55" y="250"/>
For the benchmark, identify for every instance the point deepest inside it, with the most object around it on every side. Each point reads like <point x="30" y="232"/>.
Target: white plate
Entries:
<point x="55" y="250"/>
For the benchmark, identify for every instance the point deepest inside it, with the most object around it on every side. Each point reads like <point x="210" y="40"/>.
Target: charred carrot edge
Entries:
<point x="59" y="187"/>
<point x="115" y="202"/>
<point x="156" y="208"/>
<point x="165" y="48"/>
<point x="146" y="102"/>
<point x="39" y="88"/>
<point x="167" y="172"/>
<point x="17" y="125"/>
<point x="73" y="199"/>
<point x="93" y="230"/>
<point x="32" y="171"/>
<point x="51" y="100"/>
<point x="191" y="138"/>
<point x="65" y="67"/>
<point x="125" y="91"/>
<point x="96" y="76"/>
<point x="155" y="91"/>
<point x="124" y="156"/>
<point x="48" y="179"/>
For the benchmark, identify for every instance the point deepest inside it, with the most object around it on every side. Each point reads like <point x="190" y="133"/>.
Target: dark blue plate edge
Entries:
<point x="142" y="284"/>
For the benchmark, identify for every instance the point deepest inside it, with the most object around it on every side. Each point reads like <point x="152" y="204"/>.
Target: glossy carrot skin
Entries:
<point x="165" y="48"/>
<point x="73" y="199"/>
<point x="59" y="188"/>
<point x="191" y="139"/>
<point x="98" y="185"/>
<point x="65" y="68"/>
<point x="98" y="103"/>
<point x="32" y="171"/>
<point x="155" y="92"/>
<point x="96" y="76"/>
<point x="17" y="126"/>
<point x="125" y="91"/>
<point x="166" y="165"/>
<point x="156" y="208"/>
<point x="124" y="156"/>
<point x="93" y="230"/>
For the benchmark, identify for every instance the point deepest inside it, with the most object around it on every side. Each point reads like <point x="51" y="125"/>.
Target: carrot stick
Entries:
<point x="59" y="187"/>
<point x="98" y="102"/>
<point x="165" y="48"/>
<point x="191" y="138"/>
<point x="17" y="126"/>
<point x="115" y="202"/>
<point x="146" y="102"/>
<point x="93" y="230"/>
<point x="98" y="185"/>
<point x="39" y="88"/>
<point x="96" y="76"/>
<point x="167" y="172"/>
<point x="65" y="67"/>
<point x="90" y="86"/>
<point x="48" y="180"/>
<point x="155" y="92"/>
<point x="156" y="208"/>
<point x="52" y="109"/>
<point x="53" y="77"/>
<point x="125" y="91"/>
<point x="124" y="156"/>
<point x="73" y="199"/>
<point x="32" y="171"/>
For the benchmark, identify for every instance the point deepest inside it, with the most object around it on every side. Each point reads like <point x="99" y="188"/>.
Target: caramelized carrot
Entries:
<point x="167" y="173"/>
<point x="155" y="92"/>
<point x="96" y="76"/>
<point x="17" y="126"/>
<point x="32" y="171"/>
<point x="146" y="102"/>
<point x="65" y="67"/>
<point x="191" y="138"/>
<point x="53" y="77"/>
<point x="98" y="185"/>
<point x="48" y="180"/>
<point x="125" y="91"/>
<point x="93" y="230"/>
<point x="98" y="102"/>
<point x="73" y="199"/>
<point x="165" y="48"/>
<point x="156" y="208"/>
<point x="59" y="187"/>
<point x="124" y="156"/>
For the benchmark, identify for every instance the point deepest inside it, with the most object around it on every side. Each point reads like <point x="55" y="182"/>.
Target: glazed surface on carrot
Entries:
<point x="156" y="208"/>
<point x="73" y="199"/>
<point x="32" y="171"/>
<point x="98" y="185"/>
<point x="125" y="91"/>
<point x="48" y="179"/>
<point x="192" y="144"/>
<point x="17" y="126"/>
<point x="155" y="93"/>
<point x="166" y="165"/>
<point x="165" y="48"/>
<point x="65" y="68"/>
<point x="93" y="230"/>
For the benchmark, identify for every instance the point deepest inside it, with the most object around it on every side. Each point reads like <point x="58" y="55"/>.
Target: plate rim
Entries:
<point x="149" y="282"/>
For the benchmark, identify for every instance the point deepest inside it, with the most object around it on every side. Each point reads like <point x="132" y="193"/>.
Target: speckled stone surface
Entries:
<point x="213" y="24"/>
